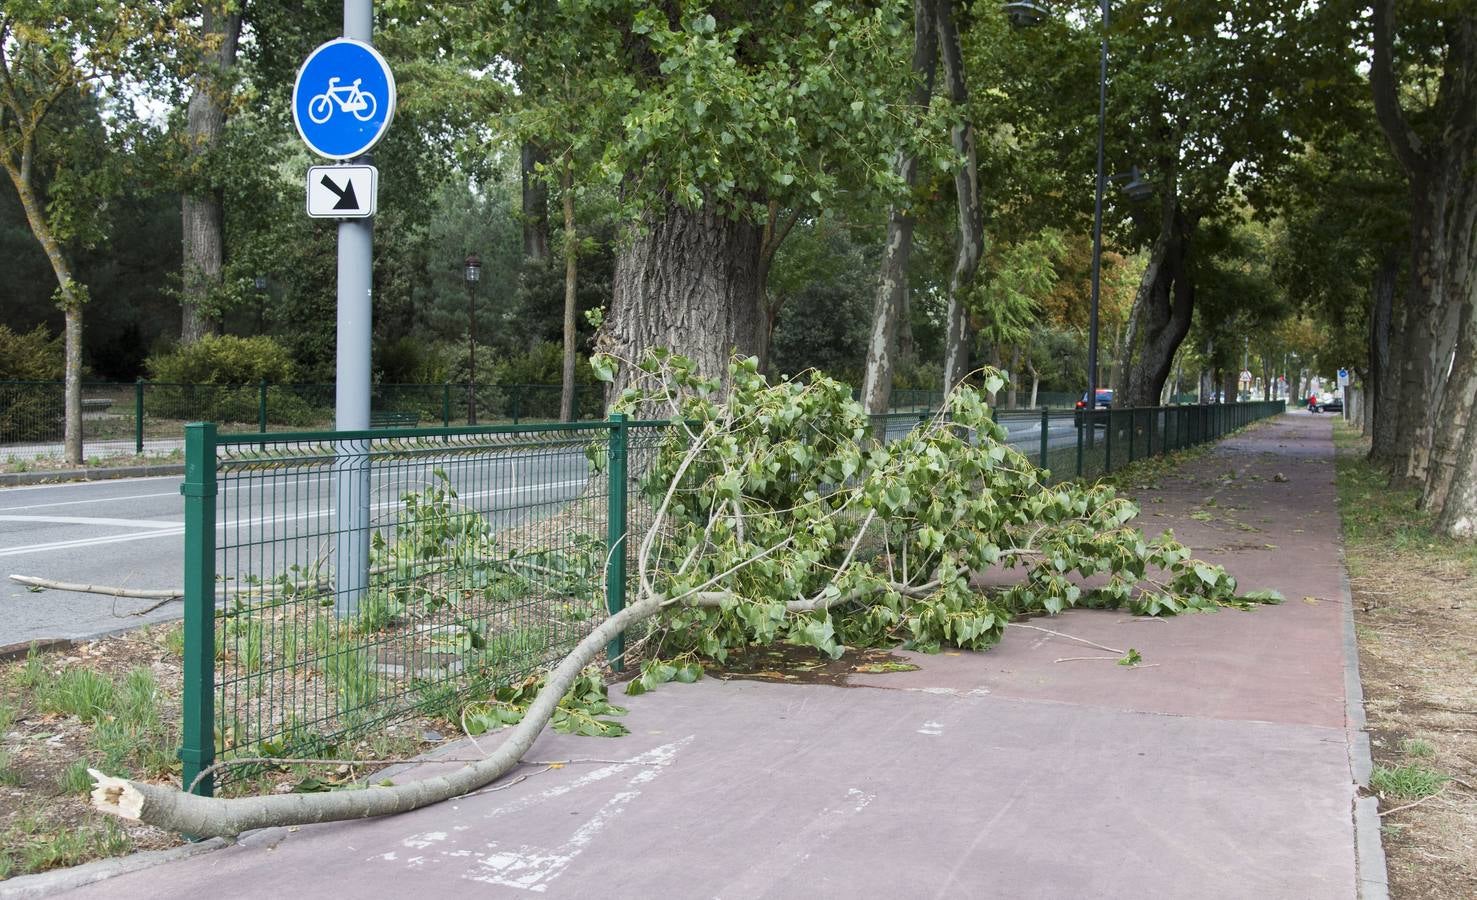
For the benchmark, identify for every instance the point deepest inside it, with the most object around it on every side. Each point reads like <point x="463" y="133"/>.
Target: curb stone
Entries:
<point x="48" y="883"/>
<point x="93" y="473"/>
<point x="1369" y="850"/>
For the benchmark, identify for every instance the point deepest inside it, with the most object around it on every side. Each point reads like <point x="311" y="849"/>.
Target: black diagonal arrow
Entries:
<point x="345" y="195"/>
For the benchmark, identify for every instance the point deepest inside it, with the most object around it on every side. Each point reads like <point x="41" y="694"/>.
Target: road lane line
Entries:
<point x="89" y="520"/>
<point x="94" y="500"/>
<point x="179" y="529"/>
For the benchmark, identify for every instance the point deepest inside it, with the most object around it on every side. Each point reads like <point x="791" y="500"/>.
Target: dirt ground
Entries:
<point x="1415" y="608"/>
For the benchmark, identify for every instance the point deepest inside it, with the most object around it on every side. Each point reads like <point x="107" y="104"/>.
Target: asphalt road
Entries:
<point x="130" y="533"/>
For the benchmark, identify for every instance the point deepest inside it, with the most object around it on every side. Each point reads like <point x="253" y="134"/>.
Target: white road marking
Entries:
<point x="89" y="520"/>
<point x="931" y="728"/>
<point x="93" y="500"/>
<point x="175" y="529"/>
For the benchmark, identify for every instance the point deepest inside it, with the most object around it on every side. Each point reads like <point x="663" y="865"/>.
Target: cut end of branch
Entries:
<point x="116" y="796"/>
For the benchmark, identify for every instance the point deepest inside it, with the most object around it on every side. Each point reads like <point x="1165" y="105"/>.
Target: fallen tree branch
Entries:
<point x="173" y="809"/>
<point x="108" y="590"/>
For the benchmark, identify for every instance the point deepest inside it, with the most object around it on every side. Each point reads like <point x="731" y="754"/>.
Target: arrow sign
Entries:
<point x="342" y="192"/>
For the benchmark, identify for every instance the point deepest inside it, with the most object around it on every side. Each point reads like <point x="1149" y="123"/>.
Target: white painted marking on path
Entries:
<point x="931" y="728"/>
<point x="532" y="868"/>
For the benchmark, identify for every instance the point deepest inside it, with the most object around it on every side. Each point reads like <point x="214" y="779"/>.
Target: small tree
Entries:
<point x="54" y="56"/>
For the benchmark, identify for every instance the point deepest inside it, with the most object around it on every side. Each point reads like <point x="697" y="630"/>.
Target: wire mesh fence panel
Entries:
<point x="484" y="561"/>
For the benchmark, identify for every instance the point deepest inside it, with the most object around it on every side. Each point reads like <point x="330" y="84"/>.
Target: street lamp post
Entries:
<point x="474" y="275"/>
<point x="1097" y="220"/>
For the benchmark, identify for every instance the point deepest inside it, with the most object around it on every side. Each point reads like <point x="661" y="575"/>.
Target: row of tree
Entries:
<point x="892" y="191"/>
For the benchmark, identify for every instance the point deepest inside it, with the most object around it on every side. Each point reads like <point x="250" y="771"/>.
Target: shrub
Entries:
<point x="224" y="359"/>
<point x="30" y="412"/>
<point x="216" y="378"/>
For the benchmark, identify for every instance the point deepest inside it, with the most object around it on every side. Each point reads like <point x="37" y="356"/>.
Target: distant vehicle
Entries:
<point x="1104" y="401"/>
<point x="1334" y="404"/>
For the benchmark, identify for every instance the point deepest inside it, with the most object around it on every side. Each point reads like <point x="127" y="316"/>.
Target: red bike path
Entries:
<point x="1227" y="765"/>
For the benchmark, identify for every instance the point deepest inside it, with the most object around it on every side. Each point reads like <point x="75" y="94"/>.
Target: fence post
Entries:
<point x="1133" y="426"/>
<point x="616" y="532"/>
<point x="138" y="416"/>
<point x="446" y="405"/>
<point x="1108" y="444"/>
<point x="1045" y="424"/>
<point x="515" y="404"/>
<point x="261" y="408"/>
<point x="1154" y="412"/>
<point x="1081" y="421"/>
<point x="197" y="747"/>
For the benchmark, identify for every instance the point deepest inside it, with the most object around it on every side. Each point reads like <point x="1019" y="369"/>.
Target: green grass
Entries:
<point x="80" y="692"/>
<point x="1418" y="748"/>
<point x="8" y="776"/>
<point x="1411" y="782"/>
<point x="7" y="717"/>
<point x="74" y="779"/>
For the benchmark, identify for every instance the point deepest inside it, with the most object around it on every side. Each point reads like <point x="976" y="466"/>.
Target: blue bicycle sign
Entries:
<point x="350" y="100"/>
<point x="344" y="99"/>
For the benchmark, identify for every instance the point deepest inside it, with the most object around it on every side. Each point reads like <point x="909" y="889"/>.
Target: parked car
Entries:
<point x="1333" y="404"/>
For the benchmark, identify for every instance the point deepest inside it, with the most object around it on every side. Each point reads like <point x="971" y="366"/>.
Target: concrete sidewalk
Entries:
<point x="1226" y="767"/>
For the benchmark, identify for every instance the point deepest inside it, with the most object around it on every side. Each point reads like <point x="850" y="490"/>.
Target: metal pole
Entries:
<point x="617" y="532"/>
<point x="197" y="738"/>
<point x="355" y="311"/>
<point x="138" y="416"/>
<point x="472" y="353"/>
<point x="1097" y="219"/>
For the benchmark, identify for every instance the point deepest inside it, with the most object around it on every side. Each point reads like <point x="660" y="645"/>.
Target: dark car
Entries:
<point x="1335" y="404"/>
<point x="1104" y="401"/>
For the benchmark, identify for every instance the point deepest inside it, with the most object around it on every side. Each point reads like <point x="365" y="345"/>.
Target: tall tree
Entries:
<point x="200" y="204"/>
<point x="1437" y="148"/>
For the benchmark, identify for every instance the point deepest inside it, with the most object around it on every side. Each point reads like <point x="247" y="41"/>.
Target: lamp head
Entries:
<point x="1025" y="13"/>
<point x="474" y="268"/>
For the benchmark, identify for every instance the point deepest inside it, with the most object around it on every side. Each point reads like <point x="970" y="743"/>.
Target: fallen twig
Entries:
<point x="1390" y="812"/>
<point x="1065" y="635"/>
<point x="164" y="596"/>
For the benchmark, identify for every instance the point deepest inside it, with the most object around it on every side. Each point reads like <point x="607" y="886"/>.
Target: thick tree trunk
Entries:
<point x="535" y="203"/>
<point x="1166" y="304"/>
<point x="685" y="281"/>
<point x="203" y="225"/>
<point x="1228" y="386"/>
<point x="966" y="192"/>
<point x="571" y="273"/>
<point x="1384" y="379"/>
<point x="1454" y="416"/>
<point x="890" y="306"/>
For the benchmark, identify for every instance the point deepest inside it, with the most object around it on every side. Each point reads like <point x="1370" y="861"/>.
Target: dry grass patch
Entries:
<point x="1415" y="605"/>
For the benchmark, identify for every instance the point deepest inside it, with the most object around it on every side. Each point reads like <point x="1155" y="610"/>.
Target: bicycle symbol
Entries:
<point x="350" y="100"/>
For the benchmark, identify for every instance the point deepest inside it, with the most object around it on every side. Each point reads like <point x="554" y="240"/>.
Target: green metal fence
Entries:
<point x="489" y="555"/>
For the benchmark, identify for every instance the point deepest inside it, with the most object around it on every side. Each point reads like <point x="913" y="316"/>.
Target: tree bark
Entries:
<point x="70" y="295"/>
<point x="1454" y="415"/>
<point x="889" y="307"/>
<point x="1011" y="389"/>
<point x="685" y="281"/>
<point x="1166" y="303"/>
<point x="966" y="192"/>
<point x="1384" y="379"/>
<point x="535" y="203"/>
<point x="1443" y="204"/>
<point x="776" y="229"/>
<point x="201" y="213"/>
<point x="571" y="273"/>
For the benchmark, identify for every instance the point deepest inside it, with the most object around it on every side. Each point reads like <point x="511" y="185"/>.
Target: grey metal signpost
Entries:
<point x="342" y="104"/>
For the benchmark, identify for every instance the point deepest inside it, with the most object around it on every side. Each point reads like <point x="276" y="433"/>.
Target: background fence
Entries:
<point x="128" y="418"/>
<point x="487" y="556"/>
